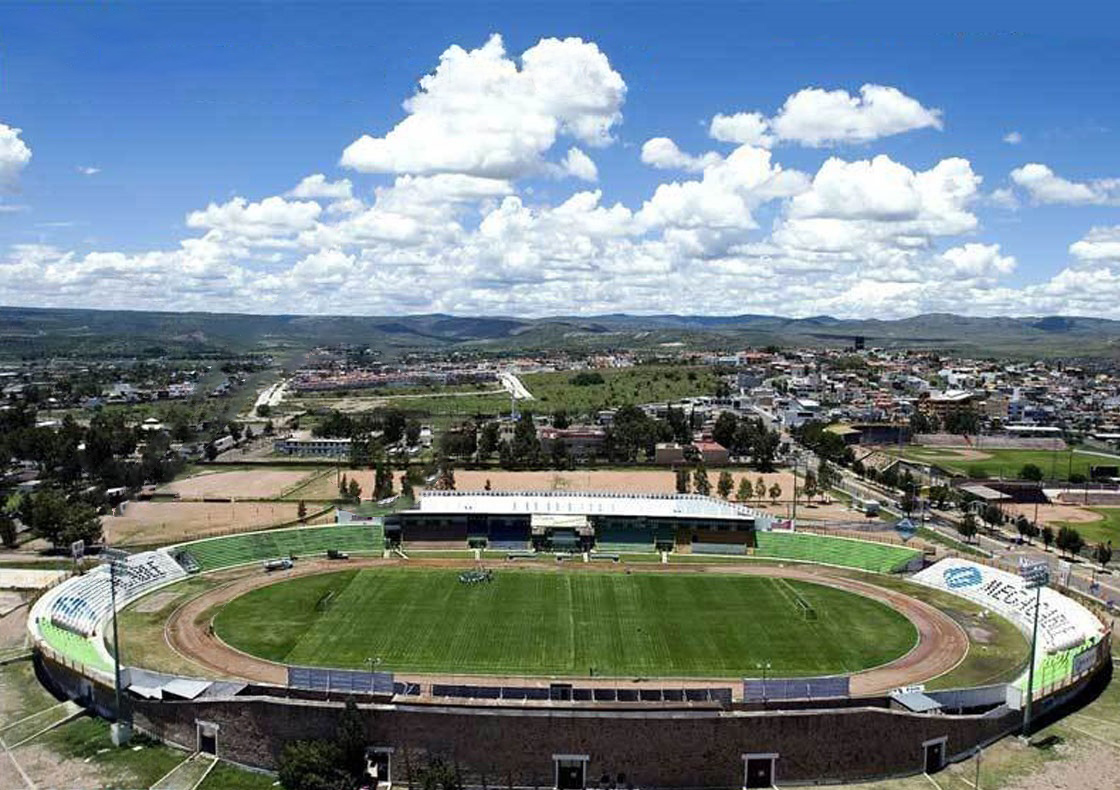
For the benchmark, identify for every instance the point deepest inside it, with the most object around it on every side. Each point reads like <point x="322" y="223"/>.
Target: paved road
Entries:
<point x="272" y="395"/>
<point x="514" y="386"/>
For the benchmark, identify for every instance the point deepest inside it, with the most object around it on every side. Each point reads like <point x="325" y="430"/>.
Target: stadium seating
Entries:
<point x="845" y="552"/>
<point x="231" y="550"/>
<point x="630" y="540"/>
<point x="73" y="646"/>
<point x="718" y="548"/>
<point x="89" y="598"/>
<point x="508" y="538"/>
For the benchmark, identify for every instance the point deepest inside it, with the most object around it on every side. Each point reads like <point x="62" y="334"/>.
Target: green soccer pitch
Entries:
<point x="565" y="623"/>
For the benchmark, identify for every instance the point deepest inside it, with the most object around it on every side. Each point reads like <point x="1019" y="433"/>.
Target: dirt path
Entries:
<point x="942" y="644"/>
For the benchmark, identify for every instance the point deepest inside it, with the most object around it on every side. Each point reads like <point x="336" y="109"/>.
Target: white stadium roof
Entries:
<point x="582" y="503"/>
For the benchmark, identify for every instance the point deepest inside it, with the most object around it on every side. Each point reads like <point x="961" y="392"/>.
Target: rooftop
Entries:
<point x="582" y="503"/>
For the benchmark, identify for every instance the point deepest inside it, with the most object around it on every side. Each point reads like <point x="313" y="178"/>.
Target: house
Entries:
<point x="712" y="453"/>
<point x="668" y="454"/>
<point x="579" y="441"/>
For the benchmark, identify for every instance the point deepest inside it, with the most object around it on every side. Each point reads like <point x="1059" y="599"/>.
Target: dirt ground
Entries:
<point x="325" y="486"/>
<point x="167" y="522"/>
<point x="638" y="481"/>
<point x="246" y="483"/>
<point x="1050" y="514"/>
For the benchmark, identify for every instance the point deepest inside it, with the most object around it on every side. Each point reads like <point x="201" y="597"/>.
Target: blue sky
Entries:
<point x="179" y="107"/>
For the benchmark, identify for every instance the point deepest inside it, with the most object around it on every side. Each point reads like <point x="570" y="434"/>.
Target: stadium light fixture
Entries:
<point x="1035" y="575"/>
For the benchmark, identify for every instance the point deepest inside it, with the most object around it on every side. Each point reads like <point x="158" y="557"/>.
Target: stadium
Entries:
<point x="571" y="640"/>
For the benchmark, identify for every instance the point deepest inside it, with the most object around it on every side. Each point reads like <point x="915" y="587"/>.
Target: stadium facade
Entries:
<point x="569" y="520"/>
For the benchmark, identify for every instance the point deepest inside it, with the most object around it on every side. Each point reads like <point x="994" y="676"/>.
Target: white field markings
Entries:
<point x="70" y="711"/>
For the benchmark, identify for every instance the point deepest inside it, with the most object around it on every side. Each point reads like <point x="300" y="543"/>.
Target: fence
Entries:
<point x="830" y="687"/>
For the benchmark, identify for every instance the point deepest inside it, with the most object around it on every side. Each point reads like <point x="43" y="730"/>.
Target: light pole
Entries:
<point x="793" y="517"/>
<point x="120" y="731"/>
<point x="764" y="666"/>
<point x="1036" y="575"/>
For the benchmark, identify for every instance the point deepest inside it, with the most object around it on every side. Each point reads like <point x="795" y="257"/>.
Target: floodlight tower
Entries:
<point x="1036" y="575"/>
<point x="121" y="730"/>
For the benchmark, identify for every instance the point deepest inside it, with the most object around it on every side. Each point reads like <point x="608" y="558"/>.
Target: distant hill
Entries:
<point x="34" y="332"/>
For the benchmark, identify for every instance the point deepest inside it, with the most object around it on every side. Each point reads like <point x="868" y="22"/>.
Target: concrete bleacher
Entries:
<point x="88" y="598"/>
<point x="231" y="550"/>
<point x="845" y="552"/>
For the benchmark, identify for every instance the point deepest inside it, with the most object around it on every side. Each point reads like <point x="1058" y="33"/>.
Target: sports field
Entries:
<point x="984" y="462"/>
<point x="565" y="623"/>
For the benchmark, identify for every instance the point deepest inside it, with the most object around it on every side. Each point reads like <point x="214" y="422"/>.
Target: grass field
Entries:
<point x="1006" y="463"/>
<point x="643" y="384"/>
<point x="528" y="622"/>
<point x="1102" y="531"/>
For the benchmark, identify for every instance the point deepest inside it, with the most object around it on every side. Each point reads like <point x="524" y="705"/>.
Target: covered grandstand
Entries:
<point x="568" y="520"/>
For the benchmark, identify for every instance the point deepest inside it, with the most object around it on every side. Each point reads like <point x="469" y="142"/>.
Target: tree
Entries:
<point x="487" y="440"/>
<point x="354" y="491"/>
<point x="269" y="429"/>
<point x="526" y="446"/>
<point x="412" y="433"/>
<point x="210" y="451"/>
<point x="234" y="430"/>
<point x="746" y="490"/>
<point x="1023" y="526"/>
<point x="301" y="511"/>
<point x="1070" y="541"/>
<point x="725" y="428"/>
<point x="351" y="740"/>
<point x="827" y="477"/>
<point x="445" y="479"/>
<point x="264" y="411"/>
<point x="486" y="486"/>
<point x="561" y="420"/>
<point x="775" y="493"/>
<point x="406" y="486"/>
<point x="1103" y="554"/>
<point x="725" y="483"/>
<point x="992" y="515"/>
<point x="248" y="432"/>
<point x="1030" y="472"/>
<point x="700" y="481"/>
<point x="759" y="488"/>
<point x="343" y="487"/>
<point x="810" y="485"/>
<point x="1047" y="535"/>
<point x="908" y="503"/>
<point x="50" y="516"/>
<point x="7" y="530"/>
<point x="312" y="765"/>
<point x="683" y="481"/>
<point x="967" y="526"/>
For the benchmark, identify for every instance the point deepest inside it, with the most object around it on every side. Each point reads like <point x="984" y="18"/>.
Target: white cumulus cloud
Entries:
<point x="1043" y="185"/>
<point x="663" y="153"/>
<point x="578" y="164"/>
<point x="480" y="113"/>
<point x="1013" y="138"/>
<point x="315" y="187"/>
<point x="14" y="154"/>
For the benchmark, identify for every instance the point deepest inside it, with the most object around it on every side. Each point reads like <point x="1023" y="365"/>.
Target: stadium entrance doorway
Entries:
<point x="571" y="771"/>
<point x="758" y="770"/>
<point x="207" y="737"/>
<point x="379" y="765"/>
<point x="934" y="755"/>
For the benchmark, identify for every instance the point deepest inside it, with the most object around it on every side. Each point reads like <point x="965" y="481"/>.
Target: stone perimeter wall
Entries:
<point x="514" y="747"/>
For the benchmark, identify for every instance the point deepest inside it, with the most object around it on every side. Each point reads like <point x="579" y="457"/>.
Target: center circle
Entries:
<point x="526" y="622"/>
